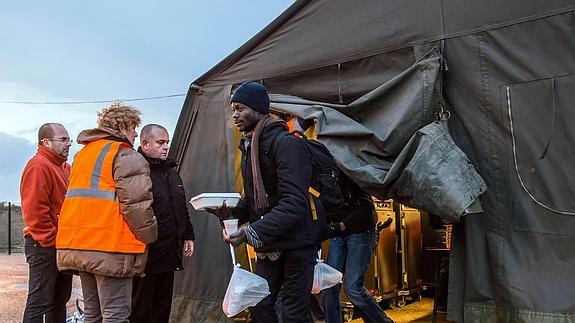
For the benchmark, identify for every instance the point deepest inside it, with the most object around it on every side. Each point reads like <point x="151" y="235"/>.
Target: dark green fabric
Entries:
<point x="186" y="309"/>
<point x="387" y="142"/>
<point x="514" y="262"/>
<point x="489" y="313"/>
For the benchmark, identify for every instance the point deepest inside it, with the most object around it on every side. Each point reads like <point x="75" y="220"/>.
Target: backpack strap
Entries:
<point x="312" y="206"/>
<point x="301" y="136"/>
<point x="274" y="143"/>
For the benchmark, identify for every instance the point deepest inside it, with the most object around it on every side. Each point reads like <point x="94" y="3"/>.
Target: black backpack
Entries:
<point x="327" y="178"/>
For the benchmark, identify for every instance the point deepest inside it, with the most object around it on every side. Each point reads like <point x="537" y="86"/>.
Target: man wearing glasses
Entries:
<point x="42" y="191"/>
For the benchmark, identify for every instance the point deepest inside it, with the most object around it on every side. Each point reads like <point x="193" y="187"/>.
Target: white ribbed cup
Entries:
<point x="231" y="226"/>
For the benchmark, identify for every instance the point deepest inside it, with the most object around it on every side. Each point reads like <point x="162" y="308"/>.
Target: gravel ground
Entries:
<point x="14" y="288"/>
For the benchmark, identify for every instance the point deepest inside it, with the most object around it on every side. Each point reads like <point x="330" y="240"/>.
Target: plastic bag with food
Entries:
<point x="245" y="289"/>
<point x="324" y="277"/>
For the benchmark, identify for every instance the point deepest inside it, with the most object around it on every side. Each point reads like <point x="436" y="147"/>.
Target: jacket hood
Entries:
<point x="87" y="136"/>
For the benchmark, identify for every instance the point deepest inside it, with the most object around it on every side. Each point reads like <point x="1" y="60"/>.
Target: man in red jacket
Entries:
<point x="42" y="191"/>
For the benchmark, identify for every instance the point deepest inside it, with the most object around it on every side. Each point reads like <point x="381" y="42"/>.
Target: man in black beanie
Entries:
<point x="282" y="227"/>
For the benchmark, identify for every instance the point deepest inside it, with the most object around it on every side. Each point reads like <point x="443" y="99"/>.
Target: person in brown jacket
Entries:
<point x="107" y="219"/>
<point x="42" y="191"/>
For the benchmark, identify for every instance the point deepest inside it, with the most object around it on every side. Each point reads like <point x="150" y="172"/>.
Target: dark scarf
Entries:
<point x="260" y="196"/>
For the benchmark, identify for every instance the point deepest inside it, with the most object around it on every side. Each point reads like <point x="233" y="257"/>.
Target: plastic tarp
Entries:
<point x="388" y="143"/>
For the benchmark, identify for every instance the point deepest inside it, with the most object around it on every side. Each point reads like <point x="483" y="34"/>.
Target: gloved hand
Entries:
<point x="236" y="238"/>
<point x="380" y="226"/>
<point x="334" y="230"/>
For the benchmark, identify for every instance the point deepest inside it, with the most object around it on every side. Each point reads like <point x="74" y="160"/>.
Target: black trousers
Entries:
<point x="294" y="271"/>
<point x="152" y="298"/>
<point x="48" y="289"/>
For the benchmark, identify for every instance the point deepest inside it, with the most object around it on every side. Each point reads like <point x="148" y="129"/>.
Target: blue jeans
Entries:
<point x="351" y="255"/>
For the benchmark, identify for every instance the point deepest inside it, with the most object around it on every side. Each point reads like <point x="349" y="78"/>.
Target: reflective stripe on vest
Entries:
<point x="91" y="218"/>
<point x="93" y="191"/>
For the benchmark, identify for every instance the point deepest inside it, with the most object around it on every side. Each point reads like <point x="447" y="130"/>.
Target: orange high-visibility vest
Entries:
<point x="90" y="218"/>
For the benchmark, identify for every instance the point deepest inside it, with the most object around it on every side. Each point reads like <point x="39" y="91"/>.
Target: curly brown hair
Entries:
<point x="119" y="117"/>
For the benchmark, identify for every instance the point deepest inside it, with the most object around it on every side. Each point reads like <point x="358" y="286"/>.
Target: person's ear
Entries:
<point x="45" y="142"/>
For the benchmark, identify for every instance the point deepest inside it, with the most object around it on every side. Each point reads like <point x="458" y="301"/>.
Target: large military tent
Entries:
<point x="509" y="83"/>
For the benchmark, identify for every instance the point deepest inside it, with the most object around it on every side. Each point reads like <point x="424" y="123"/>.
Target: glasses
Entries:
<point x="63" y="139"/>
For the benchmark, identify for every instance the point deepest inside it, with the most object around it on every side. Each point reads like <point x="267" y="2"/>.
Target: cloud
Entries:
<point x="66" y="51"/>
<point x="15" y="154"/>
<point x="23" y="120"/>
<point x="20" y="122"/>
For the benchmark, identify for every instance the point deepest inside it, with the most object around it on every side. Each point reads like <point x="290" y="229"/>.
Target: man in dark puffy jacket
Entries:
<point x="152" y="294"/>
<point x="283" y="228"/>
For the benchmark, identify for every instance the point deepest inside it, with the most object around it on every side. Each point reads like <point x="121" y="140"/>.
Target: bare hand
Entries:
<point x="188" y="248"/>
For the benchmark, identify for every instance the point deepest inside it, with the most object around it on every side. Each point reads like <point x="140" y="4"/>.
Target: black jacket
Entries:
<point x="286" y="173"/>
<point x="358" y="214"/>
<point x="171" y="211"/>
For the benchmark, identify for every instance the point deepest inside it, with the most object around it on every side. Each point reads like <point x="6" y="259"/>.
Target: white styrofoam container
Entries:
<point x="205" y="200"/>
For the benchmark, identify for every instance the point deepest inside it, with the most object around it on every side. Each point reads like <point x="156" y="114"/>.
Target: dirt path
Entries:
<point x="14" y="288"/>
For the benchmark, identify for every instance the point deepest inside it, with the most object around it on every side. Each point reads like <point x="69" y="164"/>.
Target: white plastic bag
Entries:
<point x="324" y="276"/>
<point x="245" y="289"/>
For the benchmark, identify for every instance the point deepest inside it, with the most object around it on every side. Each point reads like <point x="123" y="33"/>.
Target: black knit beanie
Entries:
<point x="254" y="95"/>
